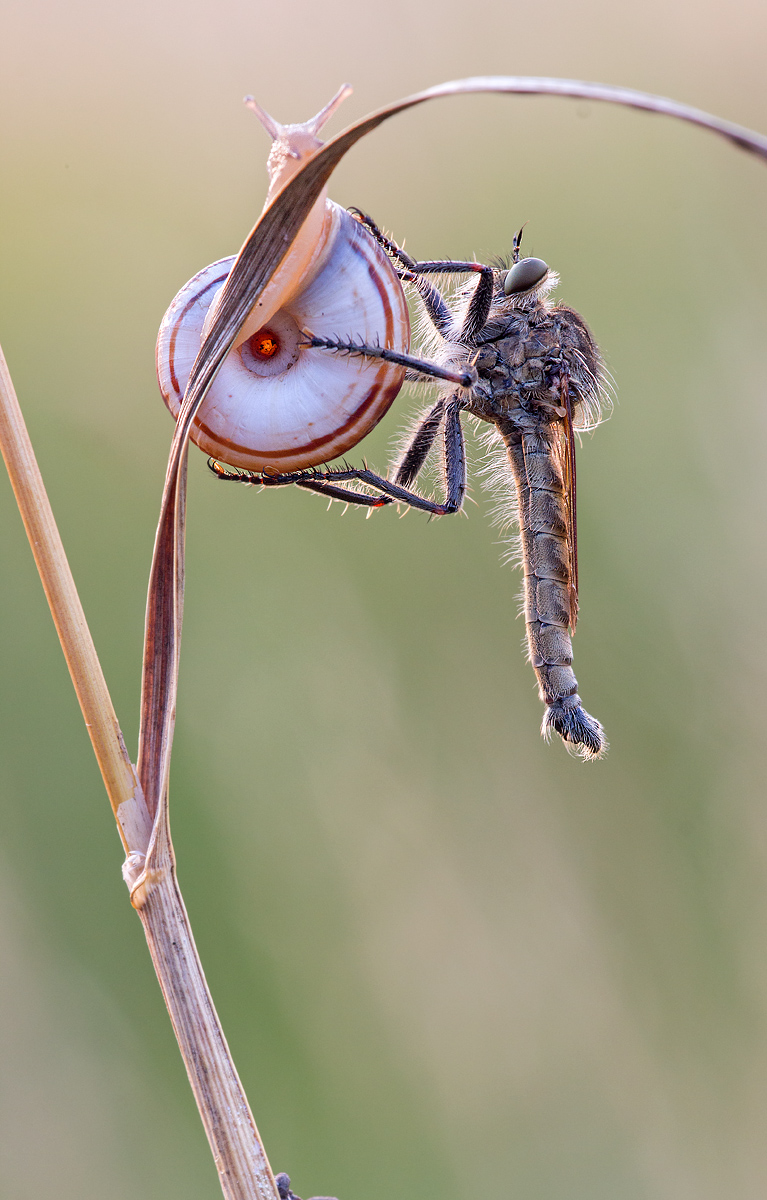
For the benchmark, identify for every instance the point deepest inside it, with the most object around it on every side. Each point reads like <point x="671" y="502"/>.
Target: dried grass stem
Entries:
<point x="117" y="770"/>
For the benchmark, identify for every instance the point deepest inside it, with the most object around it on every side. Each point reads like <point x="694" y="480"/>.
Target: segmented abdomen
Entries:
<point x="550" y="591"/>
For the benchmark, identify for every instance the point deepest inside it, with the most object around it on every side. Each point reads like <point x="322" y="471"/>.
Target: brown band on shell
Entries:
<point x="380" y="284"/>
<point x="214" y="283"/>
<point x="379" y="398"/>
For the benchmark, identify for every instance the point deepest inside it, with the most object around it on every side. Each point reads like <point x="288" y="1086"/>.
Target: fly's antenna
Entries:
<point x="517" y="242"/>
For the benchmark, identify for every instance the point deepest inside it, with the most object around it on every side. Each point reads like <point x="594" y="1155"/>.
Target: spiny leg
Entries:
<point x="455" y="458"/>
<point x="434" y="302"/>
<point x="447" y="266"/>
<point x="478" y="309"/>
<point x="420" y="445"/>
<point x="386" y="243"/>
<point x="346" y="495"/>
<point x="311" y="481"/>
<point x="324" y="482"/>
<point x="437" y="310"/>
<point x="419" y="366"/>
<point x="479" y="305"/>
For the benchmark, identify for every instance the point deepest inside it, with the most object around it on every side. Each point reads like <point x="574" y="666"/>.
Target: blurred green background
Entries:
<point x="448" y="958"/>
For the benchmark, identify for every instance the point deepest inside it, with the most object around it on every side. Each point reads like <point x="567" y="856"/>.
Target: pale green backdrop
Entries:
<point x="450" y="960"/>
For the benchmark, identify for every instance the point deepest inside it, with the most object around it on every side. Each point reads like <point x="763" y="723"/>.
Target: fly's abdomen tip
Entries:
<point x="581" y="733"/>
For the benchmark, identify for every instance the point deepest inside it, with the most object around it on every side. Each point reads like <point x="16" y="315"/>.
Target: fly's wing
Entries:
<point x="563" y="445"/>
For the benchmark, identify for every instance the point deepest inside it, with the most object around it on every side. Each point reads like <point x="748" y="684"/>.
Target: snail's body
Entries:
<point x="325" y="351"/>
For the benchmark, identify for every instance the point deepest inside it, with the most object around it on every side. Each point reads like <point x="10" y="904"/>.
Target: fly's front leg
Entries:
<point x="386" y="243"/>
<point x="438" y="311"/>
<point x="325" y="482"/>
<point x="434" y="302"/>
<point x="413" y="271"/>
<point x="479" y="305"/>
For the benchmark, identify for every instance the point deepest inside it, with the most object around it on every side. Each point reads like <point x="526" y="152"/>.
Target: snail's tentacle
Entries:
<point x="324" y="481"/>
<point x="466" y="378"/>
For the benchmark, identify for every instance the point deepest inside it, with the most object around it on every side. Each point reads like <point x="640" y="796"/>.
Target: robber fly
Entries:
<point x="532" y="370"/>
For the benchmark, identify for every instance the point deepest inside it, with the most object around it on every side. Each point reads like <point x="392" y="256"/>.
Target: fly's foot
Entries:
<point x="580" y="732"/>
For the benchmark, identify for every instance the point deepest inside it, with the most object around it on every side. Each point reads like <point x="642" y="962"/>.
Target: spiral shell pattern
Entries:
<point x="277" y="405"/>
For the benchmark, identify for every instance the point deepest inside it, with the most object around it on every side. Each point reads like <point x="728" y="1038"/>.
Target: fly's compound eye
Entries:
<point x="525" y="275"/>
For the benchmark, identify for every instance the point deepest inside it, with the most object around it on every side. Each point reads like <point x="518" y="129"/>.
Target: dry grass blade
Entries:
<point x="117" y="770"/>
<point x="244" y="1170"/>
<point x="162" y="639"/>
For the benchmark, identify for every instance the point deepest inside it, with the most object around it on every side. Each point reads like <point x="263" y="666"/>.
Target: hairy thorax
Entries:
<point x="524" y="356"/>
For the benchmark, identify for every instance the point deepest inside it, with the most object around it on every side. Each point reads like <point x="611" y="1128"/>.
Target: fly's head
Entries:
<point x="526" y="284"/>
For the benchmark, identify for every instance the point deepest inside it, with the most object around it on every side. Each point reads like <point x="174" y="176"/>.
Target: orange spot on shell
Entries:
<point x="264" y="343"/>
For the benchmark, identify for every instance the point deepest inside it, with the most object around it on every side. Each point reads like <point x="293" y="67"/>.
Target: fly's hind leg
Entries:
<point x="448" y="416"/>
<point x="391" y="492"/>
<point x="311" y="481"/>
<point x="421" y="443"/>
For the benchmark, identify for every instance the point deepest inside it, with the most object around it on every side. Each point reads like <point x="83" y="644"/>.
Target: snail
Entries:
<point x="279" y="403"/>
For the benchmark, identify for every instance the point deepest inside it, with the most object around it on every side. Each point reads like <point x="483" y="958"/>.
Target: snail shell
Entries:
<point x="278" y="405"/>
